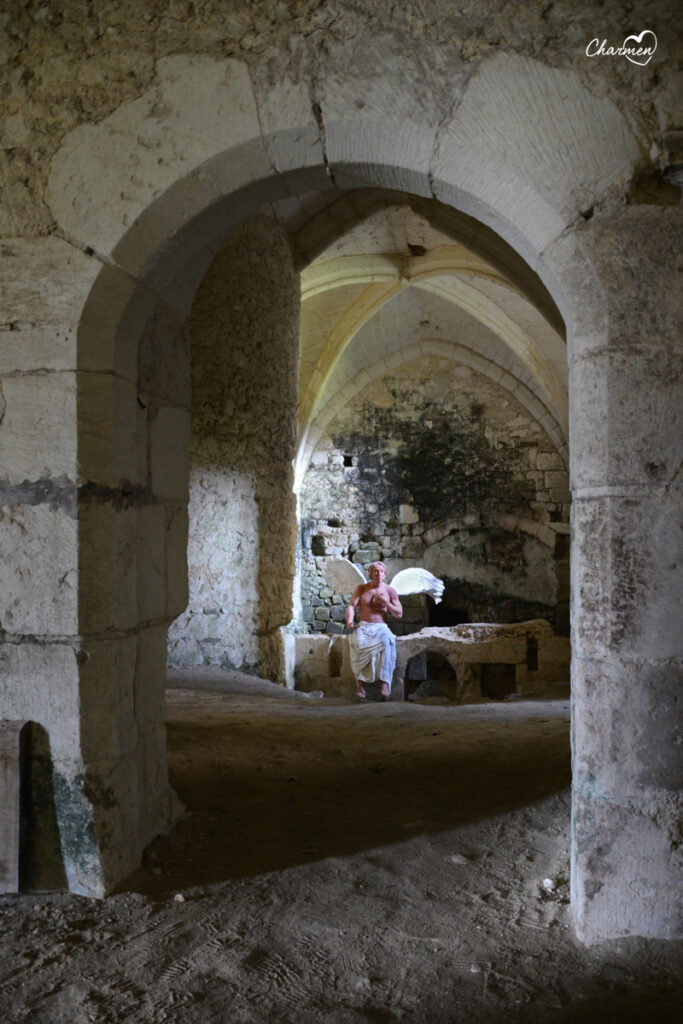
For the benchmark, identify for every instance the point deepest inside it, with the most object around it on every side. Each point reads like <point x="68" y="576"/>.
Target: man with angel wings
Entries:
<point x="372" y="645"/>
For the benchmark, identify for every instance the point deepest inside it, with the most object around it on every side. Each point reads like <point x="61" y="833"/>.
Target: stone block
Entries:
<point x="549" y="460"/>
<point x="170" y="453"/>
<point x="625" y="577"/>
<point x="172" y="244"/>
<point x="107" y="698"/>
<point x="623" y="432"/>
<point x="397" y="114"/>
<point x="631" y="250"/>
<point x="111" y="323"/>
<point x="163" y="359"/>
<point x="132" y="145"/>
<point x="27" y="348"/>
<point x="537" y="190"/>
<point x="623" y="709"/>
<point x="408" y="514"/>
<point x="286" y="103"/>
<point x="45" y="285"/>
<point x="38" y="433"/>
<point x="469" y="645"/>
<point x="322" y="614"/>
<point x="110" y="445"/>
<point x="625" y="868"/>
<point x="39" y="566"/>
<point x="107" y="569"/>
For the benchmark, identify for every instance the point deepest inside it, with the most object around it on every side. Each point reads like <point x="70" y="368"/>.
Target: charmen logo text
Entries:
<point x="637" y="49"/>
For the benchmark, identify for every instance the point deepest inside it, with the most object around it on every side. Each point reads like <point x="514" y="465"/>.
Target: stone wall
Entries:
<point x="244" y="333"/>
<point x="436" y="465"/>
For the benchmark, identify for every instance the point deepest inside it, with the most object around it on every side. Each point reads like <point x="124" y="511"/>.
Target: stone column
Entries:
<point x="93" y="485"/>
<point x="244" y="334"/>
<point x="45" y="284"/>
<point x="626" y="406"/>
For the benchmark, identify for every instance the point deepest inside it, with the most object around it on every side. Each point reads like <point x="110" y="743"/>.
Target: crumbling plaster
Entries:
<point x="123" y="178"/>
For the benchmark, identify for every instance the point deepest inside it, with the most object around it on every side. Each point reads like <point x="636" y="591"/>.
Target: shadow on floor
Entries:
<point x="267" y="790"/>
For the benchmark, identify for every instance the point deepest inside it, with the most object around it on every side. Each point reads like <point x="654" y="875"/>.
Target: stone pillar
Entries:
<point x="93" y="488"/>
<point x="244" y="334"/>
<point x="626" y="405"/>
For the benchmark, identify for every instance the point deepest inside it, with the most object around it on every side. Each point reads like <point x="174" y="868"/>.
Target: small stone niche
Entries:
<point x="497" y="680"/>
<point x="429" y="675"/>
<point x="318" y="545"/>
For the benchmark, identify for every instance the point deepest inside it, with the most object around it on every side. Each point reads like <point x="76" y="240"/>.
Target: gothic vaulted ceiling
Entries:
<point x="383" y="282"/>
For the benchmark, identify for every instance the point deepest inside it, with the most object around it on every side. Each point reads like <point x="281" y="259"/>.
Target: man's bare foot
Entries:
<point x="360" y="695"/>
<point x="384" y="691"/>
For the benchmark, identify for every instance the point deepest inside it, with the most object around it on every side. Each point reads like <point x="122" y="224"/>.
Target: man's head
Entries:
<point x="378" y="572"/>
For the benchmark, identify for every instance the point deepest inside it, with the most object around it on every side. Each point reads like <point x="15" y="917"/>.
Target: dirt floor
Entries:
<point x="342" y="864"/>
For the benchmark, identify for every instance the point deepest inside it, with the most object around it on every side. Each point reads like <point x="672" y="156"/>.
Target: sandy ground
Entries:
<point x="341" y="864"/>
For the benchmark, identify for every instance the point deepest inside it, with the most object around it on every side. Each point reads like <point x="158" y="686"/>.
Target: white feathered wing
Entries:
<point x="344" y="576"/>
<point x="417" y="581"/>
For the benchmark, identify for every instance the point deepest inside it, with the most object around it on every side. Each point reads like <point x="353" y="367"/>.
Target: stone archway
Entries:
<point x="142" y="201"/>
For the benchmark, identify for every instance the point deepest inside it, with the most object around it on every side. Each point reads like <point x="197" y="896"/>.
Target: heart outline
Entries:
<point x="639" y="39"/>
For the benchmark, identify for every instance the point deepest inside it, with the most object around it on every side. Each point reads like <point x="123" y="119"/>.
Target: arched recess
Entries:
<point x="151" y="200"/>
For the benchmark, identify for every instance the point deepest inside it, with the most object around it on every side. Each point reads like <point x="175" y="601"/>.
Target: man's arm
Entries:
<point x="351" y="608"/>
<point x="393" y="604"/>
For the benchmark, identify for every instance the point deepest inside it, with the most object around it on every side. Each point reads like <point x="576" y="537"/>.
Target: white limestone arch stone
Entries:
<point x="171" y="172"/>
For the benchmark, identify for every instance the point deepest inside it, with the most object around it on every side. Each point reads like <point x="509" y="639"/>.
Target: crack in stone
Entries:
<point x="87" y="250"/>
<point x="318" y="115"/>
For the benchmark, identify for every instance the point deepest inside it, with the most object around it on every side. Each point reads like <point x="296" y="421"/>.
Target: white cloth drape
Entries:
<point x="372" y="648"/>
